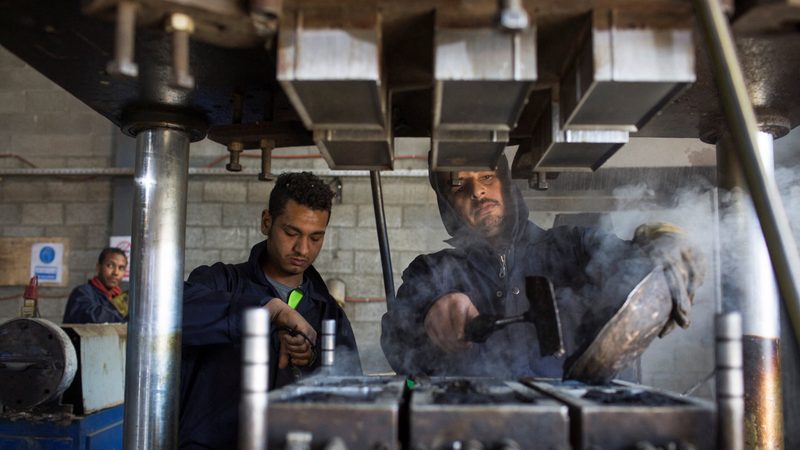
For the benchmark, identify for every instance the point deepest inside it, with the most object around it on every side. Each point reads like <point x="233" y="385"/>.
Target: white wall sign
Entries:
<point x="123" y="243"/>
<point x="47" y="262"/>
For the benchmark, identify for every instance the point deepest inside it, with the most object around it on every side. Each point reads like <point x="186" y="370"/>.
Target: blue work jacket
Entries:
<point x="213" y="301"/>
<point x="87" y="304"/>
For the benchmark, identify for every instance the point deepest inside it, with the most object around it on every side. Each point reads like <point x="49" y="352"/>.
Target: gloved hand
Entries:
<point x="297" y="348"/>
<point x="684" y="267"/>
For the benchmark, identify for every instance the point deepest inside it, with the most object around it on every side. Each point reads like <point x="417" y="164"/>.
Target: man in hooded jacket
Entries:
<point x="495" y="247"/>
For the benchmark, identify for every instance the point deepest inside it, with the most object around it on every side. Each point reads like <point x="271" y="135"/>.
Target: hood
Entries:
<point x="516" y="216"/>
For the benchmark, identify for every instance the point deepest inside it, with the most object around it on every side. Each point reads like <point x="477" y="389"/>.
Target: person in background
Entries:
<point x="495" y="247"/>
<point x="279" y="276"/>
<point x="101" y="300"/>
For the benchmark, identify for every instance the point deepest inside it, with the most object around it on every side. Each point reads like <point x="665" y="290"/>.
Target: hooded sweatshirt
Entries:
<point x="583" y="264"/>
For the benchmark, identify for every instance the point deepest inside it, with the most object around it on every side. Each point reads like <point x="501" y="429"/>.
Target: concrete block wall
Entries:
<point x="50" y="128"/>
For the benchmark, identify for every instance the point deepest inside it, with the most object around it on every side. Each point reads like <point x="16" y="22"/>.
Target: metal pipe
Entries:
<point x="750" y="282"/>
<point x="154" y="330"/>
<point x="253" y="408"/>
<point x="743" y="126"/>
<point x="383" y="238"/>
<point x="328" y="343"/>
<point x="730" y="385"/>
<point x="195" y="171"/>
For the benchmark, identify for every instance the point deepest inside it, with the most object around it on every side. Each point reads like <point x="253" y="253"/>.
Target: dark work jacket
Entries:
<point x="213" y="301"/>
<point x="87" y="304"/>
<point x="583" y="264"/>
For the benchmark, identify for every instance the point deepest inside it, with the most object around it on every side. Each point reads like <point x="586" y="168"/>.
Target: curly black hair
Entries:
<point x="305" y="188"/>
<point x="110" y="251"/>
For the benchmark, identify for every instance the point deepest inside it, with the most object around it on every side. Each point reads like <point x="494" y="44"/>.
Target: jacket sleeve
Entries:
<point x="212" y="310"/>
<point x="403" y="338"/>
<point x="85" y="306"/>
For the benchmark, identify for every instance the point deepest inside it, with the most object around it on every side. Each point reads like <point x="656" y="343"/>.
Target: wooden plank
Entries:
<point x="15" y="260"/>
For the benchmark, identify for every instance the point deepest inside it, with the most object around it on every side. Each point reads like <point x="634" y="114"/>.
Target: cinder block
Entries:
<point x="87" y="161"/>
<point x="199" y="257"/>
<point x="22" y="190"/>
<point x="234" y="256"/>
<point x="83" y="260"/>
<point x="87" y="213"/>
<point x="408" y="192"/>
<point x="409" y="239"/>
<point x="254" y="236"/>
<point x="23" y="231"/>
<point x="369" y="311"/>
<point x="226" y="238"/>
<point x="206" y="214"/>
<point x="225" y="191"/>
<point x="368" y="262"/>
<point x="358" y="238"/>
<point x="344" y="216"/>
<point x="357" y="191"/>
<point x="42" y="214"/>
<point x="373" y="360"/>
<point x="194" y="191"/>
<point x="53" y="308"/>
<point x="393" y="216"/>
<point x="76" y="234"/>
<point x="102" y="142"/>
<point x="9" y="214"/>
<point x="74" y="191"/>
<point x="195" y="237"/>
<point x="258" y="192"/>
<point x="242" y="214"/>
<point x="52" y="100"/>
<point x="334" y="261"/>
<point x="363" y="286"/>
<point x="331" y="240"/>
<point x="426" y="216"/>
<point x="12" y="102"/>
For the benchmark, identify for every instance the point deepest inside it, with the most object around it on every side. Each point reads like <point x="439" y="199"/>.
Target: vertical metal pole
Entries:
<point x="730" y="386"/>
<point x="255" y="381"/>
<point x="154" y="330"/>
<point x="750" y="281"/>
<point x="743" y="127"/>
<point x="383" y="238"/>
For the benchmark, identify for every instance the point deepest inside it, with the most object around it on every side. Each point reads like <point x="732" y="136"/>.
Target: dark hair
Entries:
<point x="305" y="188"/>
<point x="110" y="251"/>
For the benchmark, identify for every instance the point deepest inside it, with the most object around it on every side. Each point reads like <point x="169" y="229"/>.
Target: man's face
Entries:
<point x="112" y="270"/>
<point x="295" y="239"/>
<point x="478" y="200"/>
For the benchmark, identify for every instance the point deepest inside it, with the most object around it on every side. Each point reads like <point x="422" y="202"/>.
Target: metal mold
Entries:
<point x="362" y="411"/>
<point x="621" y="415"/>
<point x="482" y="79"/>
<point x="355" y="149"/>
<point x="645" y="63"/>
<point x="444" y="411"/>
<point x="555" y="149"/>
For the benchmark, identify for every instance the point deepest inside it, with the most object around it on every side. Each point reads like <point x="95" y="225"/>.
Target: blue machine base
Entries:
<point x="99" y="431"/>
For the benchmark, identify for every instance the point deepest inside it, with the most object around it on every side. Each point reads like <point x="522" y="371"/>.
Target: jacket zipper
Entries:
<point x="503" y="265"/>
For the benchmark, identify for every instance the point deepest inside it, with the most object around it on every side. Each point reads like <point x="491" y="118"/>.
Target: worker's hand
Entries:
<point x="684" y="267"/>
<point x="445" y="321"/>
<point x="296" y="348"/>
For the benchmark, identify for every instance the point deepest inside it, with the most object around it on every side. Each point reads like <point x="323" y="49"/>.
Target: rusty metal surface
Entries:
<point x="763" y="427"/>
<point x="627" y="334"/>
<point x="620" y="415"/>
<point x="444" y="411"/>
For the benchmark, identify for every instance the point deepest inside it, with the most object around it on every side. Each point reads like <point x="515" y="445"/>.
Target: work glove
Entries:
<point x="684" y="267"/>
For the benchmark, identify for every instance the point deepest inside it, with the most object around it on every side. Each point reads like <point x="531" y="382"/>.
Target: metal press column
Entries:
<point x="748" y="279"/>
<point x="154" y="328"/>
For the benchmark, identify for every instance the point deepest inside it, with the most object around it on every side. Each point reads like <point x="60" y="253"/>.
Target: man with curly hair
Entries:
<point x="278" y="276"/>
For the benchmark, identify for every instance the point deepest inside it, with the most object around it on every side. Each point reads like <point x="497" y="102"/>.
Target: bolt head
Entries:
<point x="180" y="22"/>
<point x="514" y="19"/>
<point x="122" y="69"/>
<point x="233" y="167"/>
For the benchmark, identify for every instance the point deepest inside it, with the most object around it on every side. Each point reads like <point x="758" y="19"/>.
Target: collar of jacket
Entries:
<point x="318" y="291"/>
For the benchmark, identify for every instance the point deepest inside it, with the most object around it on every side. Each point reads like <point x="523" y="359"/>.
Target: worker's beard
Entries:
<point x="490" y="226"/>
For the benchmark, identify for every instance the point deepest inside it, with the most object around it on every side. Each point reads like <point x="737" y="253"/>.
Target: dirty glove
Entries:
<point x="684" y="267"/>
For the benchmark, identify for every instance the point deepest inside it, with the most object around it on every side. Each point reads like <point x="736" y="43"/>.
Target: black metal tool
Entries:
<point x="543" y="313"/>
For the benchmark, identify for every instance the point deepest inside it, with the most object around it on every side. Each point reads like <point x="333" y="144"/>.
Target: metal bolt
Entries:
<point x="513" y="16"/>
<point x="181" y="26"/>
<point x="538" y="181"/>
<point x="266" y="160"/>
<point x="235" y="150"/>
<point x="124" y="42"/>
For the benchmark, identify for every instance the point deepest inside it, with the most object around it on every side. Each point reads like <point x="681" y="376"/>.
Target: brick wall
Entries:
<point x="49" y="127"/>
